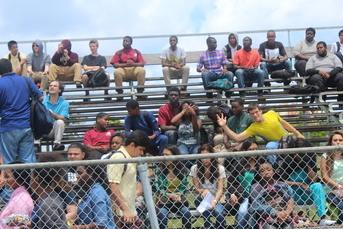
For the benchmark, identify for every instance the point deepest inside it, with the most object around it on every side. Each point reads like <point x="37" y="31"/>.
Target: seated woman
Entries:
<point x="171" y="184"/>
<point x="299" y="171"/>
<point x="241" y="177"/>
<point x="271" y="201"/>
<point x="189" y="125"/>
<point x="19" y="209"/>
<point x="94" y="208"/>
<point x="49" y="211"/>
<point x="331" y="167"/>
<point x="208" y="177"/>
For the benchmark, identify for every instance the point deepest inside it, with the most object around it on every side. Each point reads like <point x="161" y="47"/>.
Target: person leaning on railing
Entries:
<point x="208" y="179"/>
<point x="270" y="126"/>
<point x="331" y="167"/>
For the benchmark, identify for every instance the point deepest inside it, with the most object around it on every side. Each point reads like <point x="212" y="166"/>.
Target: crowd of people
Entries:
<point x="258" y="191"/>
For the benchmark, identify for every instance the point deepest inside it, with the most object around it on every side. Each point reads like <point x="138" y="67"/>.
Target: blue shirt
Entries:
<point x="95" y="207"/>
<point x="15" y="101"/>
<point x="61" y="107"/>
<point x="145" y="121"/>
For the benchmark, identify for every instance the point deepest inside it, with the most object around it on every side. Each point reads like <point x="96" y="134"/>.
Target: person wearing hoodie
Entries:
<point x="65" y="64"/>
<point x="38" y="63"/>
<point x="230" y="49"/>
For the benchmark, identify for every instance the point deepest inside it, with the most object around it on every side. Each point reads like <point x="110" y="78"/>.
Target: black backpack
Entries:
<point x="338" y="53"/>
<point x="41" y="121"/>
<point x="97" y="78"/>
<point x="307" y="89"/>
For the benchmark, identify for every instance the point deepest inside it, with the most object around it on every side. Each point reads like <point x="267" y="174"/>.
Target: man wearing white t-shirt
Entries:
<point x="174" y="63"/>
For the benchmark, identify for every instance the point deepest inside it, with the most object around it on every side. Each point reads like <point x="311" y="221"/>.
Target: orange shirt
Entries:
<point x="249" y="59"/>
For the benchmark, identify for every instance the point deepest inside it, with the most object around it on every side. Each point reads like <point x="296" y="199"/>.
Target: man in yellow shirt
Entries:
<point x="269" y="126"/>
<point x="122" y="178"/>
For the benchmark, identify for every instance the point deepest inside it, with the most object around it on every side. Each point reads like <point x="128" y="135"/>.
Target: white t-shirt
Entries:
<point x="334" y="48"/>
<point x="175" y="56"/>
<point x="212" y="187"/>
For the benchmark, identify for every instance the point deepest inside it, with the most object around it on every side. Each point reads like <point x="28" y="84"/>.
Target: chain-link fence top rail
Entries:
<point x="208" y="189"/>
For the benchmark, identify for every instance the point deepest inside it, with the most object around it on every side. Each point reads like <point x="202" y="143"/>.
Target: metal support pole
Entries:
<point x="143" y="175"/>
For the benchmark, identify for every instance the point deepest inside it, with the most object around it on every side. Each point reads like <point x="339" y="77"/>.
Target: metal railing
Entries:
<point x="152" y="216"/>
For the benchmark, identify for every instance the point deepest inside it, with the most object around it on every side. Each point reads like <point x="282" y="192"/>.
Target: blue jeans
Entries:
<point x="17" y="145"/>
<point x="338" y="203"/>
<point x="183" y="211"/>
<point x="160" y="142"/>
<point x="269" y="68"/>
<point x="172" y="136"/>
<point x="212" y="76"/>
<point x="217" y="213"/>
<point x="259" y="76"/>
<point x="272" y="159"/>
<point x="315" y="194"/>
<point x="242" y="215"/>
<point x="192" y="149"/>
<point x="188" y="149"/>
<point x="5" y="195"/>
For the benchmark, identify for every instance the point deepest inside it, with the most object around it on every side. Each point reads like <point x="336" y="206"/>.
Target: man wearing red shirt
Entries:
<point x="167" y="112"/>
<point x="99" y="137"/>
<point x="129" y="65"/>
<point x="247" y="61"/>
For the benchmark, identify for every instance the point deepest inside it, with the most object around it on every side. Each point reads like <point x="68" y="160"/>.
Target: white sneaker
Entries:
<point x="326" y="222"/>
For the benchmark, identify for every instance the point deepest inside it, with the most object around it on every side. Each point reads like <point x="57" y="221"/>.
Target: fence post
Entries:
<point x="143" y="175"/>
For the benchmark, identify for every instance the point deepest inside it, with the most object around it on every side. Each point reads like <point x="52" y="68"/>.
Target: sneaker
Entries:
<point x="58" y="146"/>
<point x="326" y="222"/>
<point x="78" y="85"/>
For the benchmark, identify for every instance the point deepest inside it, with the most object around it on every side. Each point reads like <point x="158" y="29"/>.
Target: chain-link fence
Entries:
<point x="301" y="188"/>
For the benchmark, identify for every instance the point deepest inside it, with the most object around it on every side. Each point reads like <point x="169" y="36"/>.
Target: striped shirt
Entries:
<point x="212" y="60"/>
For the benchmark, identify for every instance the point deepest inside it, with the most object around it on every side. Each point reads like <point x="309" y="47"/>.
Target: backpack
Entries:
<point x="221" y="84"/>
<point x="338" y="53"/>
<point x="110" y="154"/>
<point x="97" y="78"/>
<point x="287" y="142"/>
<point x="283" y="74"/>
<point x="307" y="89"/>
<point x="9" y="57"/>
<point x="40" y="119"/>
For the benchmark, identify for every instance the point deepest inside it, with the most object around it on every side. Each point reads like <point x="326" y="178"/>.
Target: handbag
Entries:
<point x="40" y="119"/>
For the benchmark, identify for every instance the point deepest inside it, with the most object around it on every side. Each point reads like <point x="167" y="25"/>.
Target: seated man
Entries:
<point x="240" y="120"/>
<point x="271" y="201"/>
<point x="213" y="66"/>
<point x="247" y="60"/>
<point x="17" y="59"/>
<point x="270" y="126"/>
<point x="273" y="55"/>
<point x="65" y="64"/>
<point x="174" y="63"/>
<point x="129" y="65"/>
<point x="167" y="112"/>
<point x="304" y="50"/>
<point x="38" y="64"/>
<point x="145" y="121"/>
<point x="99" y="137"/>
<point x="325" y="70"/>
<point x="337" y="47"/>
<point x="59" y="110"/>
<point x="92" y="63"/>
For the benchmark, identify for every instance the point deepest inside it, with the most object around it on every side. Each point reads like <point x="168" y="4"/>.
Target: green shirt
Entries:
<point x="239" y="123"/>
